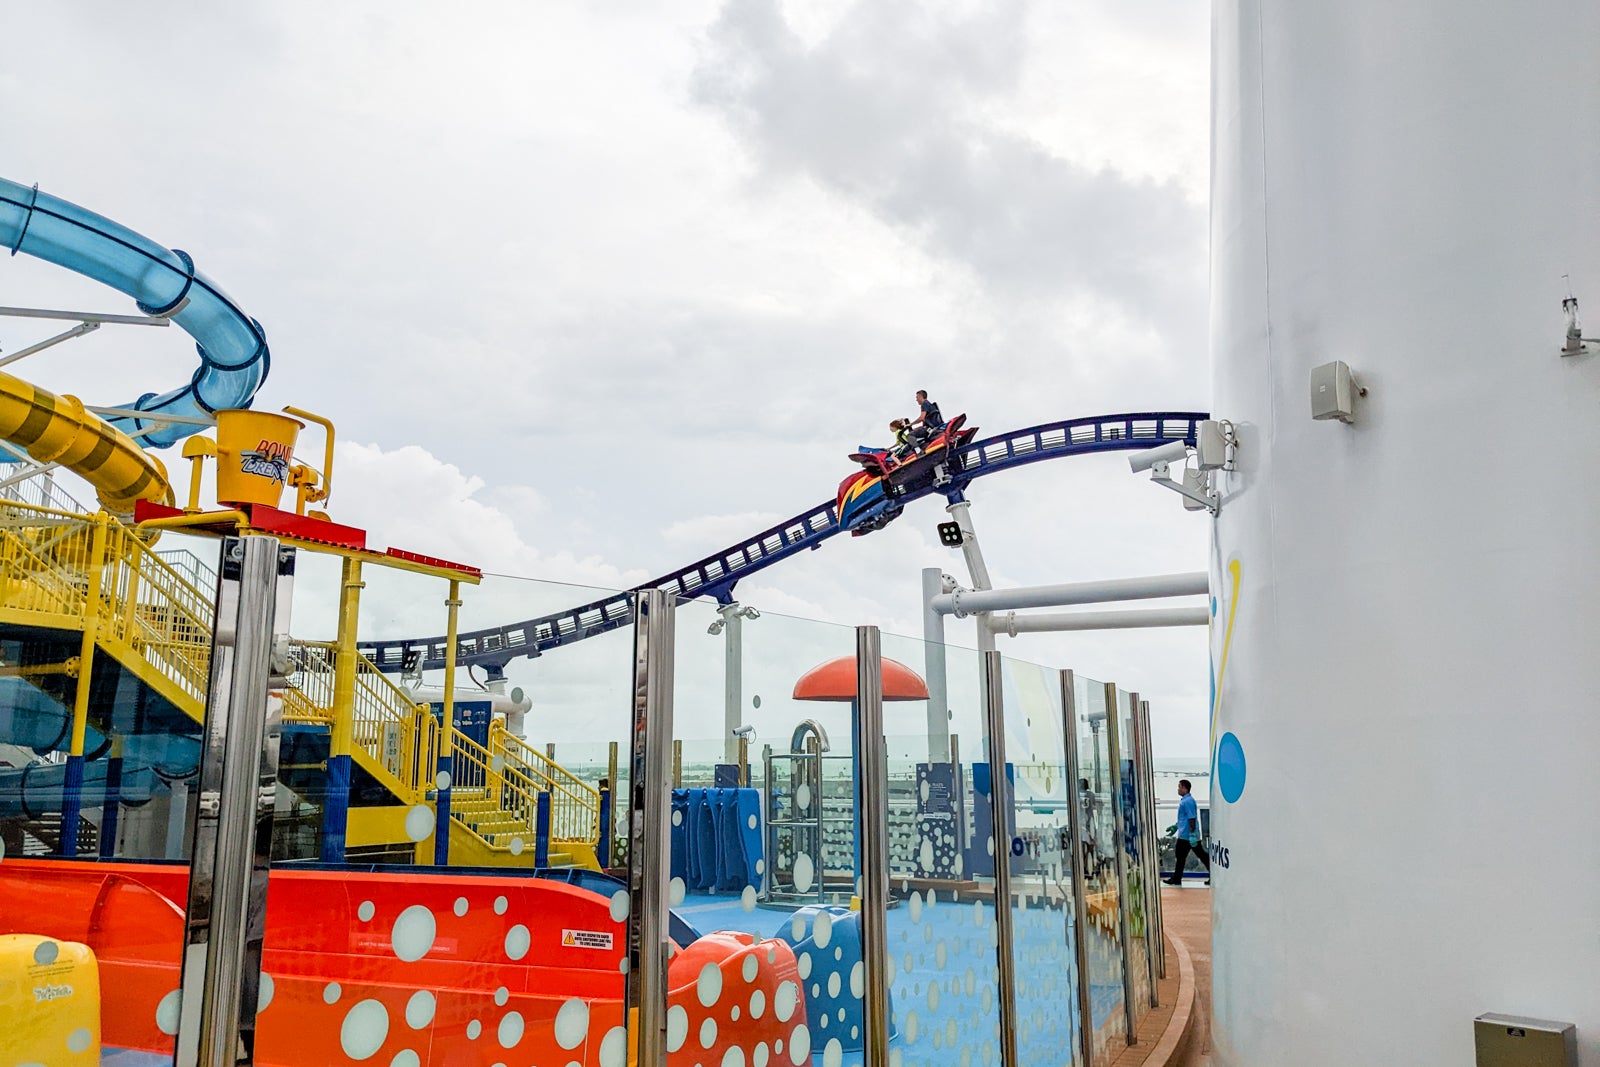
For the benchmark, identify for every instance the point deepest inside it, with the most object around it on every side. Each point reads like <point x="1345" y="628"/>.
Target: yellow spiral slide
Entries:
<point x="59" y="429"/>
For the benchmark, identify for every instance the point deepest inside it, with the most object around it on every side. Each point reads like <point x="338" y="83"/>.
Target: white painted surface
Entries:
<point x="1414" y="673"/>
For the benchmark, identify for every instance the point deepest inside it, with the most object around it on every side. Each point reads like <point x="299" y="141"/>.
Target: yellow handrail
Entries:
<point x="143" y="603"/>
<point x="574" y="804"/>
<point x="385" y="722"/>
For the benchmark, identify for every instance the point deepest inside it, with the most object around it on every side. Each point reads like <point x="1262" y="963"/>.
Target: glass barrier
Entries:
<point x="1101" y="934"/>
<point x="1045" y="931"/>
<point x="942" y="937"/>
<point x="1130" y="773"/>
<point x="764" y="832"/>
<point x="447" y="892"/>
<point x="106" y="650"/>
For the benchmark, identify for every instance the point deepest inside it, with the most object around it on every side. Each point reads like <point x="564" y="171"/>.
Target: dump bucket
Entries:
<point x="50" y="995"/>
<point x="254" y="450"/>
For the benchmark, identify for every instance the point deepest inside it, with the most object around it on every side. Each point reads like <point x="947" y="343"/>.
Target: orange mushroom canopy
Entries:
<point x="836" y="680"/>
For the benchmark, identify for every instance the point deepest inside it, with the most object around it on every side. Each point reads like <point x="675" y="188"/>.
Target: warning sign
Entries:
<point x="585" y="939"/>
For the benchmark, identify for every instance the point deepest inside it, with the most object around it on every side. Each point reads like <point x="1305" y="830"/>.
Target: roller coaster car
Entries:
<point x="872" y="497"/>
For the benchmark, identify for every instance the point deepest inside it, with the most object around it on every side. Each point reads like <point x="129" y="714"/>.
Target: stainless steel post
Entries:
<point x="1080" y="911"/>
<point x="1000" y="802"/>
<point x="236" y="794"/>
<point x="732" y="680"/>
<point x="873" y="826"/>
<point x="1151" y="843"/>
<point x="933" y="654"/>
<point x="649" y="841"/>
<point x="1149" y="890"/>
<point x="1120" y="851"/>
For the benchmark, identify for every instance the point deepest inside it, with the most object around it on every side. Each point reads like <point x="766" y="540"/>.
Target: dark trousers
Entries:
<point x="1184" y="848"/>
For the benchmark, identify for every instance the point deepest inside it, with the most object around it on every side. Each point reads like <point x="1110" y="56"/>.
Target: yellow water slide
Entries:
<point x="59" y="429"/>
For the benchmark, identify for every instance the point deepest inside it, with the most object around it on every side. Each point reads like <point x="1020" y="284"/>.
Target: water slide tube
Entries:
<point x="58" y="429"/>
<point x="233" y="347"/>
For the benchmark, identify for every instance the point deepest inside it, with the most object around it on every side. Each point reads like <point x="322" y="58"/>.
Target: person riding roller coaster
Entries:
<point x="922" y="456"/>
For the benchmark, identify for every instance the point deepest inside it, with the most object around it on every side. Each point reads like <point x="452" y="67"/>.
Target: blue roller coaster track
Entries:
<point x="716" y="575"/>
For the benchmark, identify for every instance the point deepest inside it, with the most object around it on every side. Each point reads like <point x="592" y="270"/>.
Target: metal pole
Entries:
<point x="1153" y="852"/>
<point x="873" y="823"/>
<point x="649" y="829"/>
<point x="1080" y="910"/>
<point x="608" y="825"/>
<point x="1120" y="851"/>
<point x="72" y="786"/>
<point x="341" y="739"/>
<point x="1148" y="890"/>
<point x="1000" y="802"/>
<point x="1151" y="587"/>
<point x="977" y="569"/>
<point x="444" y="780"/>
<point x="934" y="661"/>
<point x="1012" y="624"/>
<point x="232" y="844"/>
<point x="732" y="679"/>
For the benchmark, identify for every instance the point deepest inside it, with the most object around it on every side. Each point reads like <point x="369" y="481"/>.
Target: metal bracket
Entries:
<point x="1159" y="473"/>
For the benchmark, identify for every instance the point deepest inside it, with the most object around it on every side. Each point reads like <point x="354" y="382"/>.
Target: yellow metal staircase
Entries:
<point x="94" y="578"/>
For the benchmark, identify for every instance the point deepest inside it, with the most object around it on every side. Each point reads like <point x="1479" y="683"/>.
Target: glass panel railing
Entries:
<point x="764" y="862"/>
<point x="105" y="648"/>
<point x="464" y="905"/>
<point x="1044" y="927"/>
<point x="1101" y="933"/>
<point x="1137" y="904"/>
<point x="942" y="935"/>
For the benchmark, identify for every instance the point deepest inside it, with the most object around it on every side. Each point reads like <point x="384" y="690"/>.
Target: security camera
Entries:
<point x="746" y="731"/>
<point x="1175" y="452"/>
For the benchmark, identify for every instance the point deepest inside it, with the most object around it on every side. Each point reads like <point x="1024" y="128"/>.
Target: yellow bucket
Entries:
<point x="50" y="999"/>
<point x="254" y="451"/>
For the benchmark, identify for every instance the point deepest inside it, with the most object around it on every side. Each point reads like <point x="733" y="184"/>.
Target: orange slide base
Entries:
<point x="414" y="968"/>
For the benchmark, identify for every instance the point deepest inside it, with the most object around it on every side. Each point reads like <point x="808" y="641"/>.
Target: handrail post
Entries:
<point x="72" y="786"/>
<point x="1000" y="805"/>
<point x="232" y="839"/>
<point x="336" y="807"/>
<point x="873" y="827"/>
<point x="447" y="731"/>
<point x="541" y="830"/>
<point x="1120" y="851"/>
<point x="649" y="849"/>
<point x="1077" y="831"/>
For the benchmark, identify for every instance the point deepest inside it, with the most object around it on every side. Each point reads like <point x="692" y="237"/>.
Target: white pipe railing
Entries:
<point x="971" y="602"/>
<point x="1012" y="624"/>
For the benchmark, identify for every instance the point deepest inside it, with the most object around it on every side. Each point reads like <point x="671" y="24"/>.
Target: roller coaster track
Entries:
<point x="716" y="575"/>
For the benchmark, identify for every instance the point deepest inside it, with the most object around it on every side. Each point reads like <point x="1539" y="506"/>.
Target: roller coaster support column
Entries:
<point x="336" y="805"/>
<point x="732" y="679"/>
<point x="961" y="511"/>
<point x="447" y="733"/>
<point x="72" y="787"/>
<point x="934" y="672"/>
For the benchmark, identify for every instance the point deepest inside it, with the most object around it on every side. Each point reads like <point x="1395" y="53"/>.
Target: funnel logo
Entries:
<point x="269" y="459"/>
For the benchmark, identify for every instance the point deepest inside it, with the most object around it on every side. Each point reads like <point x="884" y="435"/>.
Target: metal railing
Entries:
<point x="92" y="567"/>
<point x="574" y="804"/>
<point x="511" y="798"/>
<point x="397" y="733"/>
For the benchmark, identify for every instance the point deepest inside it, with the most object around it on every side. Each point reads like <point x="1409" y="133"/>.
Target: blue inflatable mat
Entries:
<point x="716" y="839"/>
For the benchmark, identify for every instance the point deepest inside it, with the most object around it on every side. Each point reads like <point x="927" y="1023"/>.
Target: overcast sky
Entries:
<point x="594" y="290"/>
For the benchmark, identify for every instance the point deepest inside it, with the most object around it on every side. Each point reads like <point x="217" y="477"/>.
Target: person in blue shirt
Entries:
<point x="929" y="422"/>
<point x="1187" y="829"/>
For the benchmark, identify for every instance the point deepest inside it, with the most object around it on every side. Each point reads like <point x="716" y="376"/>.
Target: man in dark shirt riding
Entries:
<point x="930" y="421"/>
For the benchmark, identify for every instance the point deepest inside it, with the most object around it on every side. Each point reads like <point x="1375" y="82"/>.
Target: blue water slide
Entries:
<point x="233" y="347"/>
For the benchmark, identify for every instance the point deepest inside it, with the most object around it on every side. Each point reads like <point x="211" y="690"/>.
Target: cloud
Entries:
<point x="593" y="287"/>
<point x="887" y="109"/>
